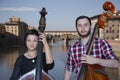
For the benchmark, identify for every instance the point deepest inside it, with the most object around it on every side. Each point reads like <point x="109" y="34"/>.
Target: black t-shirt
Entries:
<point x="24" y="65"/>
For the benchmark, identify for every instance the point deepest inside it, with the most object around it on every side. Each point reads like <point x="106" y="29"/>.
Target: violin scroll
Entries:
<point x="110" y="8"/>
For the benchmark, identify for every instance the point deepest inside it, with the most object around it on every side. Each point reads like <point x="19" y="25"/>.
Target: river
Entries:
<point x="8" y="56"/>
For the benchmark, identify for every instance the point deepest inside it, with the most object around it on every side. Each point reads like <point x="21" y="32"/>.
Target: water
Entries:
<point x="8" y="57"/>
<point x="59" y="50"/>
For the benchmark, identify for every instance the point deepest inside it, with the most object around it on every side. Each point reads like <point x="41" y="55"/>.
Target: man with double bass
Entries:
<point x="101" y="52"/>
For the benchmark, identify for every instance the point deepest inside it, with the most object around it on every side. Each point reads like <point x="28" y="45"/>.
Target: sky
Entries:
<point x="61" y="14"/>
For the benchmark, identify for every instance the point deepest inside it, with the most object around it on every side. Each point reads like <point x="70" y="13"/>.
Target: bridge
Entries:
<point x="61" y="35"/>
<point x="60" y="32"/>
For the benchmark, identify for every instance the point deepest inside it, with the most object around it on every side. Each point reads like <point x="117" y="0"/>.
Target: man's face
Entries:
<point x="83" y="27"/>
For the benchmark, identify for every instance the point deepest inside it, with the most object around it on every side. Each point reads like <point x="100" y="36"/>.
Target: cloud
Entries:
<point x="18" y="9"/>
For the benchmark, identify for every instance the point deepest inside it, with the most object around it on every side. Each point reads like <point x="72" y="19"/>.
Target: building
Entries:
<point x="2" y="30"/>
<point x="14" y="30"/>
<point x="111" y="29"/>
<point x="15" y="27"/>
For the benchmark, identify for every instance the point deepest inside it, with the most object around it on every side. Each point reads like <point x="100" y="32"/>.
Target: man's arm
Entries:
<point x="67" y="75"/>
<point x="112" y="63"/>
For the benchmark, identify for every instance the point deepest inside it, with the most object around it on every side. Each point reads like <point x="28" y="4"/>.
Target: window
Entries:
<point x="106" y="31"/>
<point x="117" y="36"/>
<point x="112" y="38"/>
<point x="107" y="38"/>
<point x="113" y="25"/>
<point x="112" y="31"/>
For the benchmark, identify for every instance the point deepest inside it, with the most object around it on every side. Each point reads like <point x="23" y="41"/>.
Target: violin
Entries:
<point x="96" y="72"/>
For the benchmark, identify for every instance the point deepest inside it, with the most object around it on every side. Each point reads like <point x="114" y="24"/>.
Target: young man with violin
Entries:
<point x="101" y="52"/>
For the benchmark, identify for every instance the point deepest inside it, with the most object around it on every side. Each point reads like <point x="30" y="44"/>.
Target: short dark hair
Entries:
<point x="30" y="32"/>
<point x="82" y="17"/>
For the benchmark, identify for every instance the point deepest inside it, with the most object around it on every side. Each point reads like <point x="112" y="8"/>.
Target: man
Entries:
<point x="101" y="53"/>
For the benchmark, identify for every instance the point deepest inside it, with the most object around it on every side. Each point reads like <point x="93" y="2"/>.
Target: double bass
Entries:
<point x="96" y="72"/>
<point x="31" y="76"/>
<point x="38" y="73"/>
